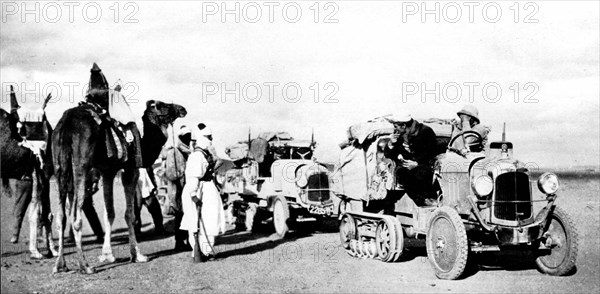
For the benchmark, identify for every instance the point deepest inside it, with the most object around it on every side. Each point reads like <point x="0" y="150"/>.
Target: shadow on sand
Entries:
<point x="491" y="261"/>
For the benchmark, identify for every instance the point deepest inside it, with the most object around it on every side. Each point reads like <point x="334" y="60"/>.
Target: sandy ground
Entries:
<point x="304" y="262"/>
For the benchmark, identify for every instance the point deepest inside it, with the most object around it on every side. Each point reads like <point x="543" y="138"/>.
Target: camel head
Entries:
<point x="163" y="114"/>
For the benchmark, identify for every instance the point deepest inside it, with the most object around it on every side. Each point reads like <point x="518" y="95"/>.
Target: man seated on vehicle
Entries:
<point x="413" y="144"/>
<point x="469" y="120"/>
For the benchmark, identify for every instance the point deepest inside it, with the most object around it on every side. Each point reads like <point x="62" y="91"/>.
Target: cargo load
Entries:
<point x="362" y="171"/>
<point x="237" y="151"/>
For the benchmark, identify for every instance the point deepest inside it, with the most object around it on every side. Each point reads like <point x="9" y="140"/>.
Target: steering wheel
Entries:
<point x="303" y="155"/>
<point x="477" y="139"/>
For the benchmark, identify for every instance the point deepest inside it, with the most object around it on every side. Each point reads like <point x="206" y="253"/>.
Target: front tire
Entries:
<point x="447" y="244"/>
<point x="281" y="216"/>
<point x="562" y="235"/>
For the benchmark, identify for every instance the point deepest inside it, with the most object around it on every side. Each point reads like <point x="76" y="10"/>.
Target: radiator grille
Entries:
<point x="512" y="196"/>
<point x="318" y="187"/>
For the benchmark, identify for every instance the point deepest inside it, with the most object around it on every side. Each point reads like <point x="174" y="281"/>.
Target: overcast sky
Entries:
<point x="370" y="55"/>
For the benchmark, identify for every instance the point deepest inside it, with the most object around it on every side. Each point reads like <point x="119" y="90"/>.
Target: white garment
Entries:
<point x="145" y="183"/>
<point x="119" y="109"/>
<point x="30" y="115"/>
<point x="213" y="215"/>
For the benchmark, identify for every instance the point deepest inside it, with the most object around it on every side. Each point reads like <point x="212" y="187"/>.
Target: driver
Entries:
<point x="469" y="120"/>
<point x="413" y="144"/>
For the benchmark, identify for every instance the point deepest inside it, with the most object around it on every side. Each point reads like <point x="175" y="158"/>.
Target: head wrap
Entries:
<point x="184" y="130"/>
<point x="201" y="135"/>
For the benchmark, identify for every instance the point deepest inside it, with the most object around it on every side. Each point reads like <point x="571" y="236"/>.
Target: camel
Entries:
<point x="79" y="145"/>
<point x="18" y="164"/>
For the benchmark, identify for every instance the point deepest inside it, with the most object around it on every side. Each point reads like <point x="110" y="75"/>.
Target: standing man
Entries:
<point x="413" y="144"/>
<point x="469" y="120"/>
<point x="178" y="155"/>
<point x="200" y="199"/>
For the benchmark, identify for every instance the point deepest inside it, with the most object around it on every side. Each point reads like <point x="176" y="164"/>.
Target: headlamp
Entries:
<point x="483" y="185"/>
<point x="301" y="177"/>
<point x="548" y="183"/>
<point x="301" y="181"/>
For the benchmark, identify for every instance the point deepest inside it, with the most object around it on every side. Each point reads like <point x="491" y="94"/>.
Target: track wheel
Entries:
<point x="447" y="244"/>
<point x="348" y="230"/>
<point x="386" y="240"/>
<point x="399" y="240"/>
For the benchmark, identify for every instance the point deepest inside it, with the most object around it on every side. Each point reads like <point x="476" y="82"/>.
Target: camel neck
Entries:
<point x="152" y="142"/>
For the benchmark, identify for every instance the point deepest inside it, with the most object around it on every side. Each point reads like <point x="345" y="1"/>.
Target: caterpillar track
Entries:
<point x="368" y="235"/>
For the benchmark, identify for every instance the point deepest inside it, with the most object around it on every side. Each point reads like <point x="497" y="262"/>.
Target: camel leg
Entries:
<point x="48" y="234"/>
<point x="35" y="213"/>
<point x="109" y="217"/>
<point x="130" y="179"/>
<point x="23" y="198"/>
<point x="34" y="216"/>
<point x="45" y="215"/>
<point x="138" y="203"/>
<point x="61" y="265"/>
<point x="76" y="217"/>
<point x="92" y="216"/>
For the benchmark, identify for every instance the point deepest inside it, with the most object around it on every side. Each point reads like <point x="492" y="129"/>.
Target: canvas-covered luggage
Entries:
<point x="441" y="127"/>
<point x="237" y="151"/>
<point x="174" y="164"/>
<point x="366" y="131"/>
<point x="351" y="173"/>
<point x="271" y="136"/>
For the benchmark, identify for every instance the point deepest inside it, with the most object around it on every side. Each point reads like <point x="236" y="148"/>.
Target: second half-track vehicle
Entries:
<point x="486" y="202"/>
<point x="276" y="178"/>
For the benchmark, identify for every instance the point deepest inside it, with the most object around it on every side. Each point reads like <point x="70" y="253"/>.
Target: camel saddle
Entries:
<point x="32" y="124"/>
<point x="122" y="141"/>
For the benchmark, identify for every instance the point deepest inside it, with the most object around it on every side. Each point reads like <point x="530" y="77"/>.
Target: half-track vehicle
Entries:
<point x="485" y="203"/>
<point x="276" y="178"/>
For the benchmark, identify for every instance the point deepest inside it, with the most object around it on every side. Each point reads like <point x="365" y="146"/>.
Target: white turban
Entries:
<point x="201" y="137"/>
<point x="205" y="132"/>
<point x="184" y="130"/>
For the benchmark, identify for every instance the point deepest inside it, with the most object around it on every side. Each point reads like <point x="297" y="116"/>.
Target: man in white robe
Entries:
<point x="200" y="193"/>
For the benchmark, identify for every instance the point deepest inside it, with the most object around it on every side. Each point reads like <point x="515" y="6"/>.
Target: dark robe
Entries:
<point x="418" y="182"/>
